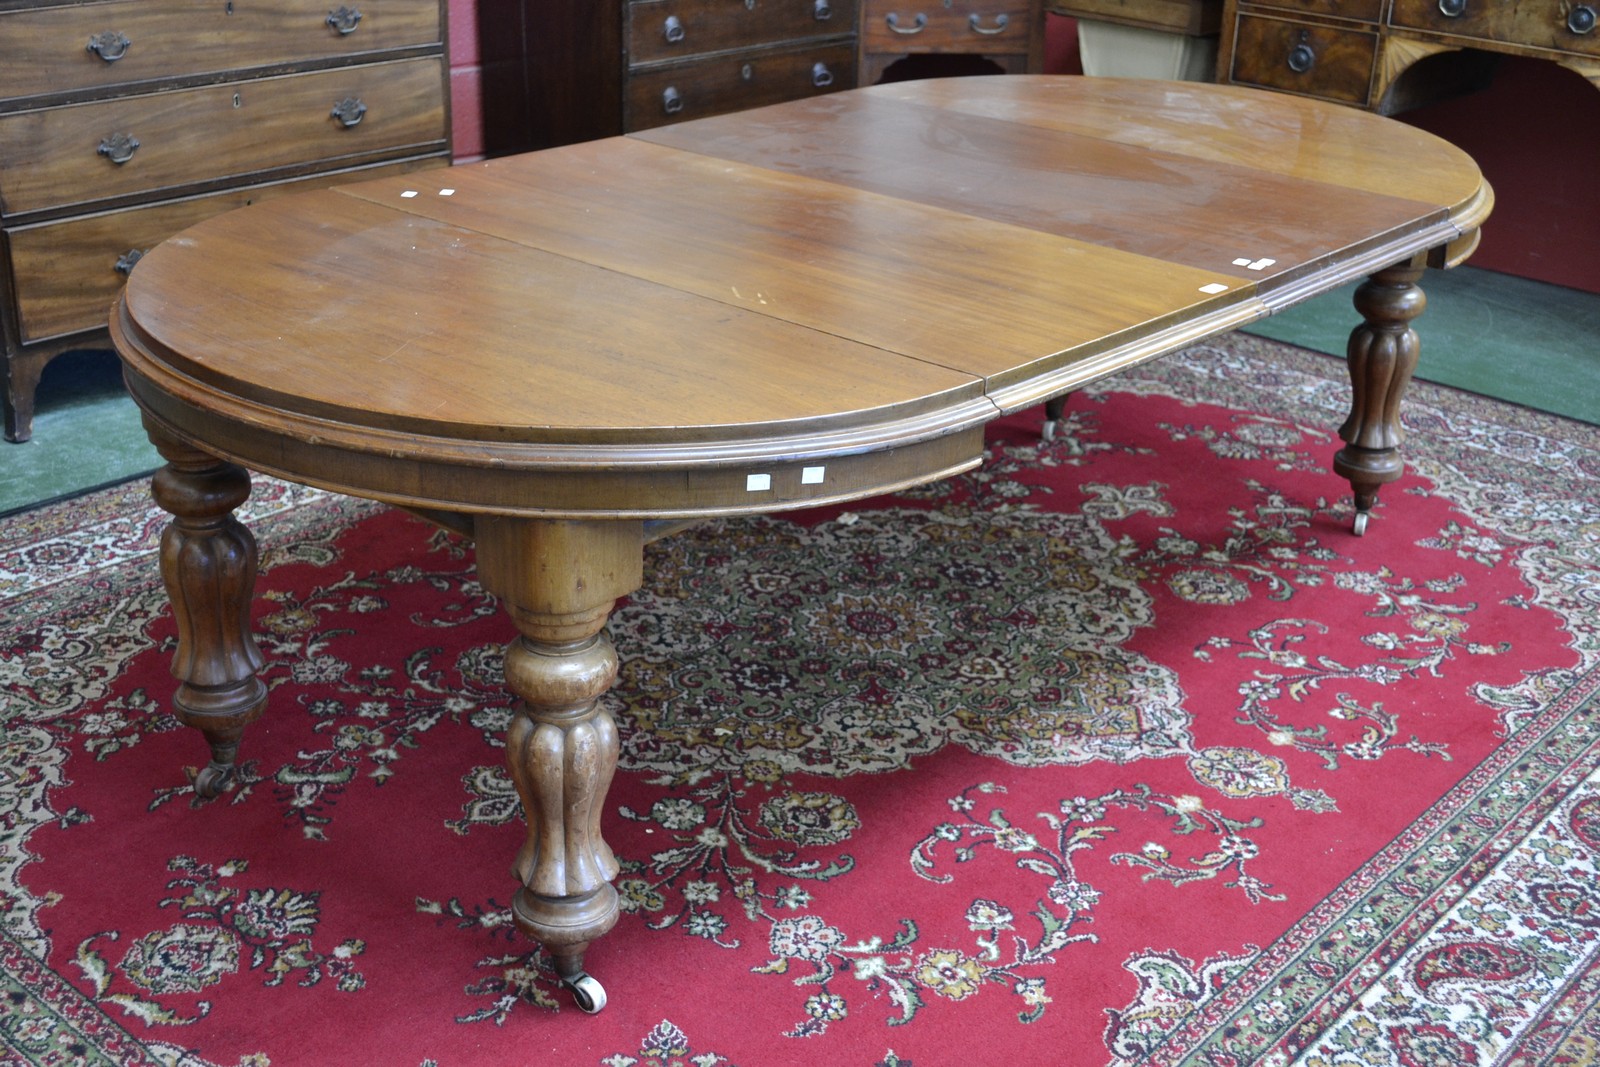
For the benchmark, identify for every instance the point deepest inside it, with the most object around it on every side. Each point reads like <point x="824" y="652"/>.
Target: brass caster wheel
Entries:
<point x="588" y="994"/>
<point x="212" y="779"/>
<point x="1360" y="526"/>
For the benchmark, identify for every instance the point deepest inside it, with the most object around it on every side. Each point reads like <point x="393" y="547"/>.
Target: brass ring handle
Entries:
<point x="349" y="111"/>
<point x="821" y="76"/>
<point x="1581" y="19"/>
<point x="109" y="45"/>
<point x="672" y="30"/>
<point x="822" y="11"/>
<point x="671" y="100"/>
<point x="1000" y="24"/>
<point x="118" y="147"/>
<point x="1452" y="9"/>
<point x="126" y="261"/>
<point x="918" y="24"/>
<point x="343" y="19"/>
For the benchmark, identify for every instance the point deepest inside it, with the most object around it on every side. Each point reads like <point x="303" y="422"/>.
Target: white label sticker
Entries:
<point x="757" y="483"/>
<point x="812" y="475"/>
<point x="1214" y="288"/>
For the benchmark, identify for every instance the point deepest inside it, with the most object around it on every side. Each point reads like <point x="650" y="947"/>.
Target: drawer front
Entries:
<point x="732" y="83"/>
<point x="1364" y="10"/>
<point x="988" y="27"/>
<point x="83" y="46"/>
<point x="67" y="273"/>
<point x="1563" y="25"/>
<point x="1319" y="61"/>
<point x="671" y="30"/>
<point x="70" y="155"/>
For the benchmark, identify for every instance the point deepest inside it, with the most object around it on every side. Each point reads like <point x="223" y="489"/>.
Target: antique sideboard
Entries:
<point x="1389" y="55"/>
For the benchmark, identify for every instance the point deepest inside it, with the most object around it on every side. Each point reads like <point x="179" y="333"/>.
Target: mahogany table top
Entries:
<point x="634" y="327"/>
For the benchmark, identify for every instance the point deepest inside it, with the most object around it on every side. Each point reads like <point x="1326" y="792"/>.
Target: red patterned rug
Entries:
<point x="1119" y="750"/>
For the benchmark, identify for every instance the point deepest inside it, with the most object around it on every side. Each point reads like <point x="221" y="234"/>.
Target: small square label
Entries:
<point x="757" y="483"/>
<point x="408" y="194"/>
<point x="1214" y="288"/>
<point x="447" y="192"/>
<point x="812" y="475"/>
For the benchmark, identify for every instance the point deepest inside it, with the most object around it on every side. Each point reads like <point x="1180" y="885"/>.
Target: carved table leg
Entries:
<point x="1382" y="355"/>
<point x="559" y="581"/>
<point x="208" y="561"/>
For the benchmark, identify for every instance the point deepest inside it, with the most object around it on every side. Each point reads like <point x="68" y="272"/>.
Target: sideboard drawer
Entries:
<point x="1561" y="25"/>
<point x="1321" y="61"/>
<point x="666" y="30"/>
<point x="68" y="273"/>
<point x="1362" y="10"/>
<point x="53" y="50"/>
<point x="965" y="26"/>
<point x="68" y="155"/>
<point x="719" y="84"/>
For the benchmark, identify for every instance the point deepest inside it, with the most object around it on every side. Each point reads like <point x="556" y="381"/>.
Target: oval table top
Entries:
<point x="852" y="284"/>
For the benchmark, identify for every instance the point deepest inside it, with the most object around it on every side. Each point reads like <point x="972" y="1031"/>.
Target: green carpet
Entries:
<point x="86" y="434"/>
<point x="1494" y="334"/>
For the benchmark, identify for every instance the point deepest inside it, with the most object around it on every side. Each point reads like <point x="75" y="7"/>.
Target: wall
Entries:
<point x="466" y="80"/>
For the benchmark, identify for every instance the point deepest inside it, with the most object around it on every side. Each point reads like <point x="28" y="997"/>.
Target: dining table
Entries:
<point x="565" y="354"/>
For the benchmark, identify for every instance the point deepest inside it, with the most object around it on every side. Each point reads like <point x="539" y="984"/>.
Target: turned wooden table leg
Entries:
<point x="1382" y="356"/>
<point x="208" y="561"/>
<point x="559" y="581"/>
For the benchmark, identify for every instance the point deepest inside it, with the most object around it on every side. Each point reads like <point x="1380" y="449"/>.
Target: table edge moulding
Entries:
<point x="774" y="309"/>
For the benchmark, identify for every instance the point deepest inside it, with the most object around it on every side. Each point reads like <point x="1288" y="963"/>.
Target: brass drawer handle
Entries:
<point x="821" y="76"/>
<point x="671" y="100"/>
<point x="126" y="261"/>
<point x="1452" y="9"/>
<point x="1000" y="24"/>
<point x="918" y="24"/>
<point x="119" y="147"/>
<point x="1580" y="20"/>
<point x="672" y="30"/>
<point x="822" y="10"/>
<point x="109" y="45"/>
<point x="349" y="111"/>
<point x="344" y="19"/>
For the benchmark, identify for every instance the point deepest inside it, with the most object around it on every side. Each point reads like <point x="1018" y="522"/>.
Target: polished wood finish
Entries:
<point x="551" y="74"/>
<point x="178" y="109"/>
<point x="1192" y="18"/>
<point x="208" y="562"/>
<point x="691" y="58"/>
<point x="1007" y="33"/>
<point x="810" y="303"/>
<point x="1362" y="52"/>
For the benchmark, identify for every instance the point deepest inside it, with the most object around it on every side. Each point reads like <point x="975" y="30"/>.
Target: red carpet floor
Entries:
<point x="1119" y="750"/>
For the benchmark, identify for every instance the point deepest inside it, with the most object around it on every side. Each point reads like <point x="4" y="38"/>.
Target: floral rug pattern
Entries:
<point x="1121" y="743"/>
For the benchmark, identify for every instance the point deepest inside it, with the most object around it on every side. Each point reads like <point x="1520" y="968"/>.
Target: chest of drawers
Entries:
<point x="124" y="121"/>
<point x="1009" y="33"/>
<point x="1364" y="52"/>
<point x="692" y="58"/>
